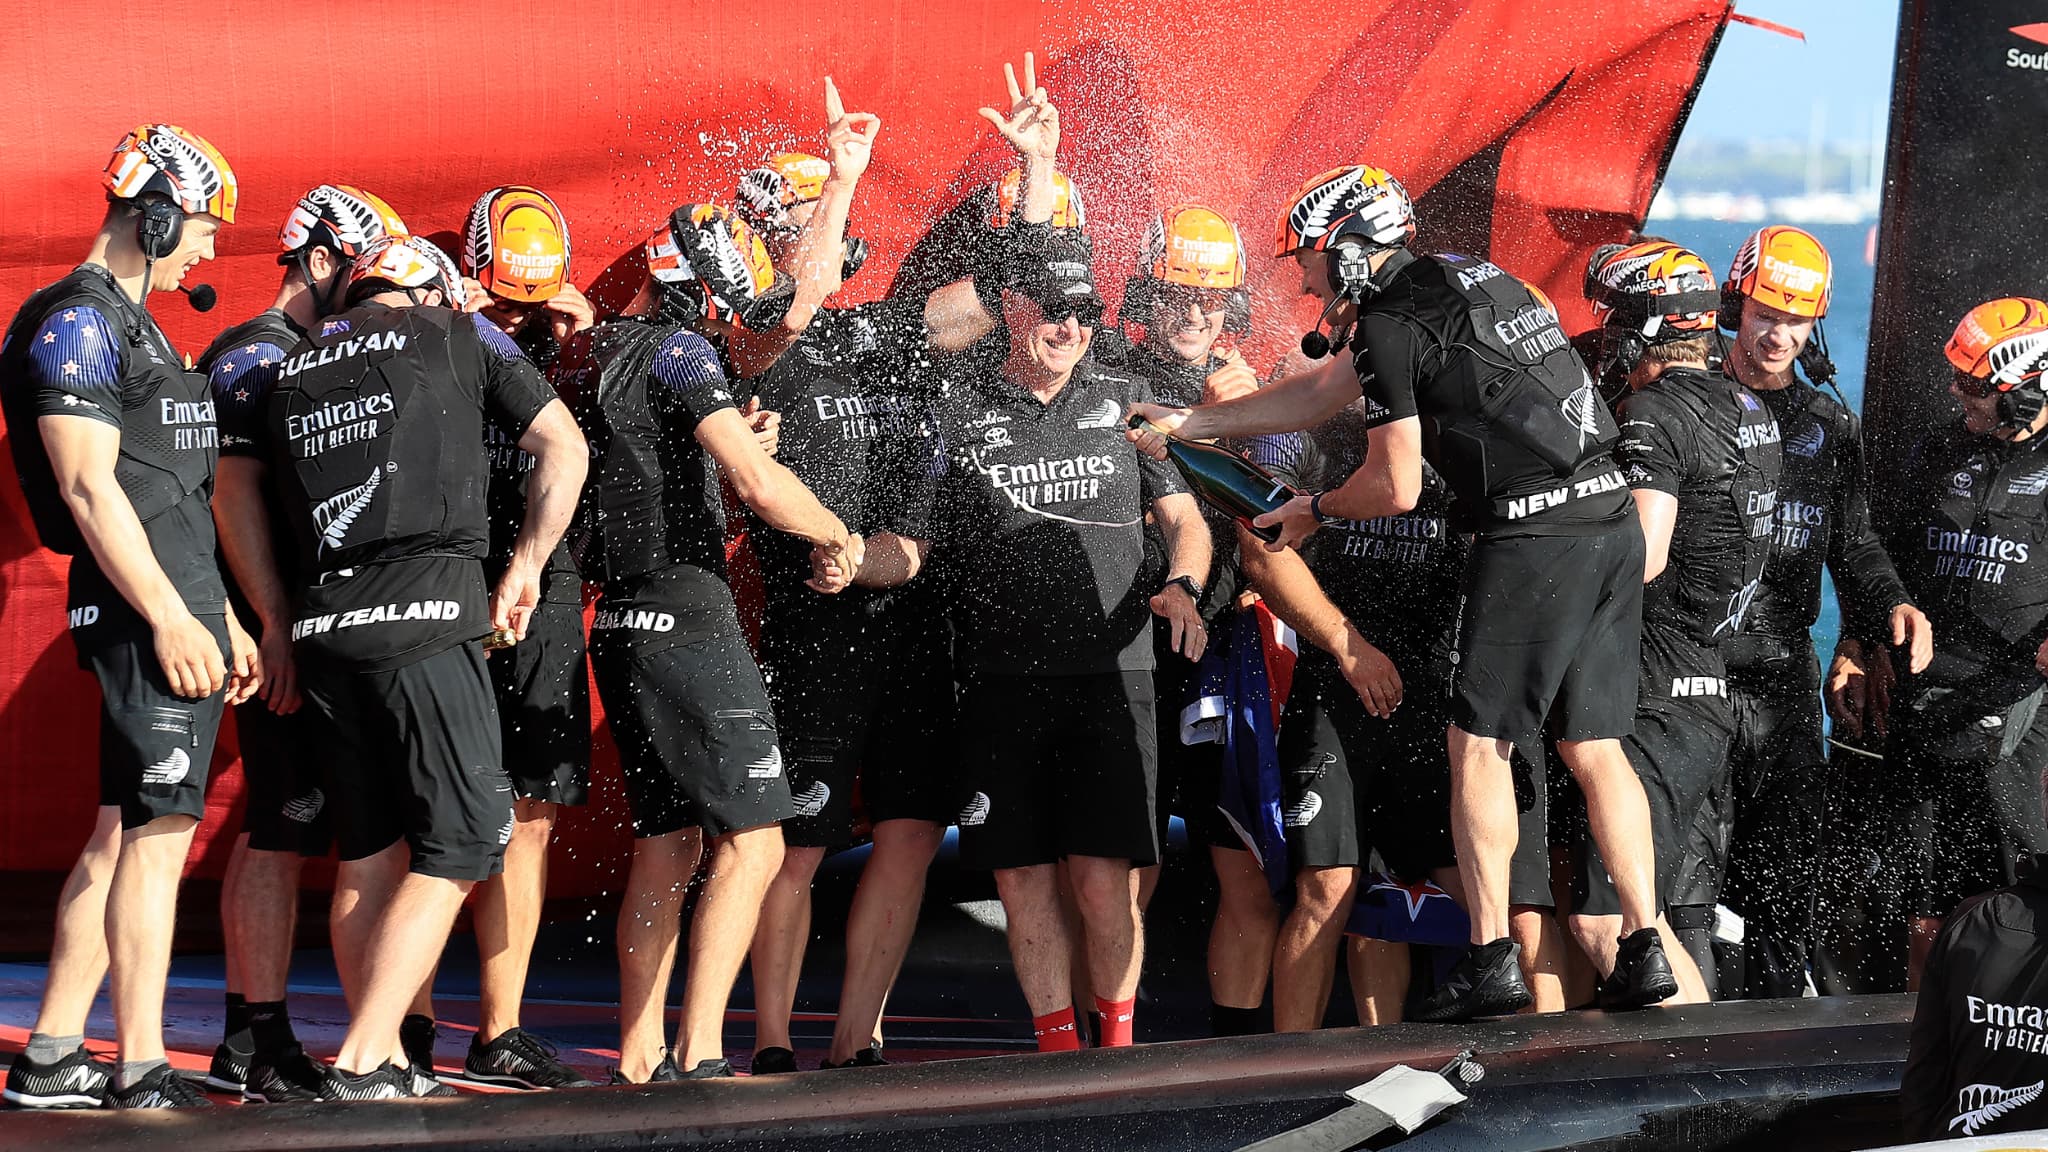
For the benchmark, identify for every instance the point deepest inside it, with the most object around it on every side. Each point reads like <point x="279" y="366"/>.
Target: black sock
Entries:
<point x="1227" y="1021"/>
<point x="236" y="1035"/>
<point x="270" y="1026"/>
<point x="416" y="1034"/>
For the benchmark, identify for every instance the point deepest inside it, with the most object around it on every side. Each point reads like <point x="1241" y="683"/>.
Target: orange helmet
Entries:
<point x="1195" y="246"/>
<point x="783" y="181"/>
<point x="517" y="244"/>
<point x="166" y="160"/>
<point x="2003" y="342"/>
<point x="408" y="262"/>
<point x="1780" y="267"/>
<point x="1360" y="201"/>
<point x="1653" y="288"/>
<point x="339" y="217"/>
<point x="708" y="256"/>
<point x="1066" y="200"/>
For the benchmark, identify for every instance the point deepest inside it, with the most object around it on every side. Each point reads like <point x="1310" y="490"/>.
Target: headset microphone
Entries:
<point x="1314" y="344"/>
<point x="201" y="297"/>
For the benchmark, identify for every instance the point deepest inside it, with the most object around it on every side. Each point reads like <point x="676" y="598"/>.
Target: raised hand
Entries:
<point x="1032" y="125"/>
<point x="849" y="136"/>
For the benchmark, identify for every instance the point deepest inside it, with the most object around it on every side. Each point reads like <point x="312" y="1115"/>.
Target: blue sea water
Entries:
<point x="1847" y="326"/>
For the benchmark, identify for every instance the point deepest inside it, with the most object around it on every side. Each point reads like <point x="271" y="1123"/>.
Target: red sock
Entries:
<point x="1113" y="1021"/>
<point x="1055" y="1031"/>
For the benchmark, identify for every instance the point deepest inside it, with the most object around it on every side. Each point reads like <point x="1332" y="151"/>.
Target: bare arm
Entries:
<point x="1188" y="551"/>
<point x="955" y="318"/>
<point x="1659" y="514"/>
<point x="1290" y="590"/>
<point x="242" y="521"/>
<point x="771" y="490"/>
<point x="561" y="459"/>
<point x="82" y="455"/>
<point x="1287" y="405"/>
<point x="892" y="560"/>
<point x="1387" y="484"/>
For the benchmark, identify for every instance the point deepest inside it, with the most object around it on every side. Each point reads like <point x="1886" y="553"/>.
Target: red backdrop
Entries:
<point x="1528" y="133"/>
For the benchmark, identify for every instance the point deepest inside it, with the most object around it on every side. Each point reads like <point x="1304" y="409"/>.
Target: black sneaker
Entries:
<point x="519" y="1059"/>
<point x="1486" y="982"/>
<point x="709" y="1070"/>
<point x="282" y="1077"/>
<point x="416" y="1038"/>
<point x="1642" y="975"/>
<point x="663" y="1073"/>
<point x="772" y="1062"/>
<point x="426" y="1085"/>
<point x="229" y="1071"/>
<point x="74" y="1081"/>
<point x="868" y="1057"/>
<point x="162" y="1088"/>
<point x="386" y="1081"/>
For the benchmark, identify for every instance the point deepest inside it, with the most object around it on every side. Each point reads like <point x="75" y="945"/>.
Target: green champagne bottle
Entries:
<point x="1226" y="480"/>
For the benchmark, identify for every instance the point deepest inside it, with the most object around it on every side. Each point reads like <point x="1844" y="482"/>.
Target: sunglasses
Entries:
<point x="1177" y="297"/>
<point x="1086" y="309"/>
<point x="1976" y="388"/>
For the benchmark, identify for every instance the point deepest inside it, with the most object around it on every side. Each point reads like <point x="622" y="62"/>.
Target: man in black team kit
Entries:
<point x="1968" y="734"/>
<point x="1039" y="523"/>
<point x="696" y="733"/>
<point x="374" y="429"/>
<point x="1361" y="740"/>
<point x="515" y="252"/>
<point x="1548" y="613"/>
<point x="286" y="814"/>
<point x="862" y="682"/>
<point x="1977" y="1060"/>
<point x="1701" y="454"/>
<point x="1763" y="828"/>
<point x="114" y="447"/>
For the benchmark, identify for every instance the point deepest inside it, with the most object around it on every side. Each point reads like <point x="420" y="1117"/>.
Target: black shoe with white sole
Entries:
<point x="74" y="1081"/>
<point x="162" y="1088"/>
<point x="386" y="1081"/>
<point x="519" y="1059"/>
<point x="772" y="1062"/>
<point x="229" y="1070"/>
<point x="1487" y="981"/>
<point x="287" y="1076"/>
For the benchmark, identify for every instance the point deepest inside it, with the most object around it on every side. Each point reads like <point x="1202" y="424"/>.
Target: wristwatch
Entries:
<point x="1187" y="584"/>
<point x="1315" y="509"/>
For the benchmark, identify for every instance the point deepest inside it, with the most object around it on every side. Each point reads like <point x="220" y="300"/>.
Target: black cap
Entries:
<point x="1057" y="273"/>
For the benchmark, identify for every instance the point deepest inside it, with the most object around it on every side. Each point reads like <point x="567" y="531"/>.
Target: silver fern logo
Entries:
<point x="732" y="267"/>
<point x="336" y="513"/>
<point x="1311" y="217"/>
<point x="767" y="767"/>
<point x="811" y="801"/>
<point x="196" y="177"/>
<point x="1582" y="408"/>
<point x="1303" y="811"/>
<point x="302" y="809"/>
<point x="1980" y="1104"/>
<point x="1807" y="444"/>
<point x="2016" y="359"/>
<point x="975" y="812"/>
<point x="477" y="237"/>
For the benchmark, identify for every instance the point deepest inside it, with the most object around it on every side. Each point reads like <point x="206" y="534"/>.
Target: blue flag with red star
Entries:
<point x="1420" y="913"/>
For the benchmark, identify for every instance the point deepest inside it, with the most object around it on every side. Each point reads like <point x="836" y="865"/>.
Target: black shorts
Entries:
<point x="695" y="732"/>
<point x="1684" y="728"/>
<point x="864" y="701"/>
<point x="1058" y="766"/>
<point x="1548" y="629"/>
<point x="412" y="753"/>
<point x="1777" y="807"/>
<point x="543" y="692"/>
<point x="1356" y="784"/>
<point x="285" y="807"/>
<point x="1977" y="816"/>
<point x="155" y="747"/>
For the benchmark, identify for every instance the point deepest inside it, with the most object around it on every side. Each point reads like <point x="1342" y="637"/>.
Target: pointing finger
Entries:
<point x="1030" y="74"/>
<point x="1010" y="77"/>
<point x="834" y="109"/>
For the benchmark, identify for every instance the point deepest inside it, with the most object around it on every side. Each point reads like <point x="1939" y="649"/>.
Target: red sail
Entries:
<point x="1529" y="132"/>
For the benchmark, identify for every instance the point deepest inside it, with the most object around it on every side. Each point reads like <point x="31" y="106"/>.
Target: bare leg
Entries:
<point x="879" y="927"/>
<point x="742" y="864"/>
<point x="1379" y="979"/>
<point x="1039" y="947"/>
<point x="362" y="890"/>
<point x="507" y="918"/>
<point x="1600" y="938"/>
<point x="1242" y="937"/>
<point x="1148" y="883"/>
<point x="1483" y="828"/>
<point x="1619" y="816"/>
<point x="264" y="910"/>
<point x="779" y="939"/>
<point x="404" y="947"/>
<point x="142" y="911"/>
<point x="650" y="921"/>
<point x="1305" y="958"/>
<point x="78" y="954"/>
<point x="1077" y="947"/>
<point x="1542" y="941"/>
<point x="1107" y="895"/>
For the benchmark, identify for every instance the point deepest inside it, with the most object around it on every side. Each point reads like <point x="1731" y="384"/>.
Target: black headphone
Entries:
<point x="1348" y="262"/>
<point x="1813" y="360"/>
<point x="159" y="225"/>
<point x="2020" y="407"/>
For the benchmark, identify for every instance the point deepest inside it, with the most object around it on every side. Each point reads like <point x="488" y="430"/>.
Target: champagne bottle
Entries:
<point x="500" y="638"/>
<point x="1226" y="480"/>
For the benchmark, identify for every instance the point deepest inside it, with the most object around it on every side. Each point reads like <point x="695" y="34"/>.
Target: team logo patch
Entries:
<point x="976" y="811"/>
<point x="811" y="801"/>
<point x="1807" y="444"/>
<point x="2032" y="484"/>
<point x="1300" y="813"/>
<point x="1961" y="483"/>
<point x="767" y="767"/>
<point x="1980" y="1104"/>
<point x="169" y="770"/>
<point x="505" y="833"/>
<point x="302" y="809"/>
<point x="1108" y="414"/>
<point x="333" y="326"/>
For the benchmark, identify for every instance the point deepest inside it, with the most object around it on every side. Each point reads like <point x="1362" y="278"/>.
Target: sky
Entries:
<point x="1844" y="68"/>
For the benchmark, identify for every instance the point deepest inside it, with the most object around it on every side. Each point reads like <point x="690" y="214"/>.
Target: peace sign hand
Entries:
<point x="1032" y="125"/>
<point x="849" y="136"/>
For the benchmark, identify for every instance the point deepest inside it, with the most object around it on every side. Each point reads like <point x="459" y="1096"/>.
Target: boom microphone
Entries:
<point x="1314" y="344"/>
<point x="201" y="297"/>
